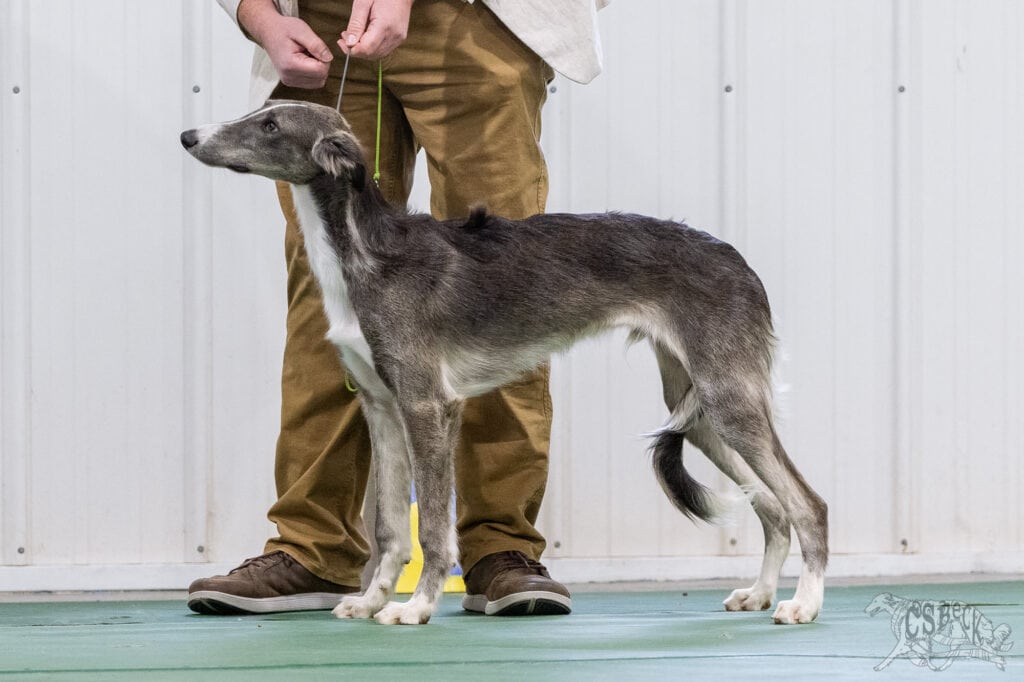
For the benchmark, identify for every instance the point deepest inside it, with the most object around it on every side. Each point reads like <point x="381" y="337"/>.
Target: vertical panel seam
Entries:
<point x="904" y="290"/>
<point x="197" y="299"/>
<point x="729" y="229"/>
<point x="15" y="298"/>
<point x="727" y="124"/>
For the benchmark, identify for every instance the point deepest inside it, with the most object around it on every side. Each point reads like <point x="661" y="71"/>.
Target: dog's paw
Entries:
<point x="409" y="613"/>
<point x="791" y="612"/>
<point x="749" y="599"/>
<point x="356" y="607"/>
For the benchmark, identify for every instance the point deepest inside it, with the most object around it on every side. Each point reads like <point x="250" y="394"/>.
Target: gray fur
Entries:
<point x="444" y="310"/>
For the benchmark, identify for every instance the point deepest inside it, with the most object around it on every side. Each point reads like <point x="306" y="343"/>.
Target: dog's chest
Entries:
<point x="344" y="330"/>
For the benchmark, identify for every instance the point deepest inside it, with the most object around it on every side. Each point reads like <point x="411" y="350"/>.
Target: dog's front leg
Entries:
<point x="432" y="426"/>
<point x="393" y="473"/>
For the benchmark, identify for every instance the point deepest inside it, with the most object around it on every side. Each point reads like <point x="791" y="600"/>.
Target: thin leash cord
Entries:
<point x="380" y="102"/>
<point x="376" y="155"/>
<point x="341" y="88"/>
<point x="380" y="99"/>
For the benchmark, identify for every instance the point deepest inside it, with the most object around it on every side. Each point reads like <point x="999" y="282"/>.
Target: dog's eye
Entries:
<point x="269" y="127"/>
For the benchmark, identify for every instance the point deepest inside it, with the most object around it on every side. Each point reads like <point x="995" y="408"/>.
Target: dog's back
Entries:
<point x="516" y="291"/>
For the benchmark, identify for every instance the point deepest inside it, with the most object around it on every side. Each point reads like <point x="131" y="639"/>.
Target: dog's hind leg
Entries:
<point x="774" y="521"/>
<point x="432" y="426"/>
<point x="739" y="412"/>
<point x="393" y="473"/>
<point x="681" y="400"/>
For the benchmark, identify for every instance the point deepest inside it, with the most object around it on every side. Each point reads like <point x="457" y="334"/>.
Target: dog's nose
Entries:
<point x="189" y="139"/>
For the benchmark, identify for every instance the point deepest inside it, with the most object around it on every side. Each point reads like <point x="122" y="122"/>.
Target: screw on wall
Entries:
<point x="196" y="88"/>
<point x="21" y="550"/>
<point x="728" y="88"/>
<point x="16" y="89"/>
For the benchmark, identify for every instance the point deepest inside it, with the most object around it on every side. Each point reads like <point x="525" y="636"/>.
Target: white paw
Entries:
<point x="792" y="611"/>
<point x="356" y="607"/>
<point x="409" y="613"/>
<point x="749" y="599"/>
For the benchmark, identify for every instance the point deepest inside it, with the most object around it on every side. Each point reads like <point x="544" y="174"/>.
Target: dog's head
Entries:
<point x="282" y="140"/>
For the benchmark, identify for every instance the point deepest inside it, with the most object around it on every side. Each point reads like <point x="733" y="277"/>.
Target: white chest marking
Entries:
<point x="344" y="330"/>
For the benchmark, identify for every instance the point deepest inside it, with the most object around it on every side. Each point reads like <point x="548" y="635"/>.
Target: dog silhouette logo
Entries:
<point x="933" y="634"/>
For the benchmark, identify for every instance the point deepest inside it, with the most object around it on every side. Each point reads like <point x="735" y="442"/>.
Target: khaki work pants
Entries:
<point x="468" y="93"/>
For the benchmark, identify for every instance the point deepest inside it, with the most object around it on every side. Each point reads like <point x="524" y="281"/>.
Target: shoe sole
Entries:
<point x="213" y="603"/>
<point x="538" y="603"/>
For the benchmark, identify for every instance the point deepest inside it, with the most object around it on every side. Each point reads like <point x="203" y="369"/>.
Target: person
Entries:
<point x="465" y="81"/>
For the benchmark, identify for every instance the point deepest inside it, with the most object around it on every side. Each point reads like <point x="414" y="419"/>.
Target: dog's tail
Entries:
<point x="686" y="493"/>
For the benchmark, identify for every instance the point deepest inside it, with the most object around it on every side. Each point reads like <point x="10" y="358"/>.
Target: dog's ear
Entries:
<point x="339" y="154"/>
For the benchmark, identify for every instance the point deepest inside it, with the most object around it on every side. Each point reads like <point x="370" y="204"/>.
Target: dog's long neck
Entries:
<point x="345" y="232"/>
<point x="333" y="244"/>
<point x="352" y="220"/>
<point x="360" y="225"/>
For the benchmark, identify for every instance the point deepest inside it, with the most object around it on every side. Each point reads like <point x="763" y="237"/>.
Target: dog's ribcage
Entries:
<point x="492" y="306"/>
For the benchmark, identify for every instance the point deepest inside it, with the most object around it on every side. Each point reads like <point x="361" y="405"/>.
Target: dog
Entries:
<point x="428" y="313"/>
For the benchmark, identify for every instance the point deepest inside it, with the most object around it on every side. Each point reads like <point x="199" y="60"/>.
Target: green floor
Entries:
<point x="611" y="635"/>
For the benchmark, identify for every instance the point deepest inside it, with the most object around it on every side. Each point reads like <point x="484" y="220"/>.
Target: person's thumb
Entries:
<point x="357" y="23"/>
<point x="312" y="44"/>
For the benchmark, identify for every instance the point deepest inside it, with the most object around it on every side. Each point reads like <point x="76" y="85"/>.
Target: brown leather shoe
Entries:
<point x="265" y="584"/>
<point x="510" y="584"/>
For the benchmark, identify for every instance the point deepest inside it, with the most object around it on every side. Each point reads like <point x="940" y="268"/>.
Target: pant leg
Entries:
<point x="473" y="94"/>
<point x="323" y="450"/>
<point x="502" y="469"/>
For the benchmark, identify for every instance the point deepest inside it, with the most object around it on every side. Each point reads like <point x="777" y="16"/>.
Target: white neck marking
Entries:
<point x="328" y="269"/>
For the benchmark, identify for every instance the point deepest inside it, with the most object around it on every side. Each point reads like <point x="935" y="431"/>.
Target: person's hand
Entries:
<point x="376" y="27"/>
<point x="300" y="58"/>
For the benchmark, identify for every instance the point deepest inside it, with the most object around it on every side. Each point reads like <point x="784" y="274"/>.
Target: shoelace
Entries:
<point x="512" y="560"/>
<point x="257" y="561"/>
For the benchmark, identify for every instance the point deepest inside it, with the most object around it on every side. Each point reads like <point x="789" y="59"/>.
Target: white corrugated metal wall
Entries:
<point x="866" y="155"/>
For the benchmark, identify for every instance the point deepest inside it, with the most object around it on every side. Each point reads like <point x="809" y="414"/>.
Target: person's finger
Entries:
<point x="302" y="71"/>
<point x="311" y="43"/>
<point x="346" y="42"/>
<point x="371" y="44"/>
<point x="357" y="24"/>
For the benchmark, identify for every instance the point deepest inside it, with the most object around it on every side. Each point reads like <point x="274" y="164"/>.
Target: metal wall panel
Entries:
<point x="966" y="224"/>
<point x="15" y="254"/>
<point x="140" y="345"/>
<point x="833" y="126"/>
<point x="104" y="314"/>
<point x="865" y="155"/>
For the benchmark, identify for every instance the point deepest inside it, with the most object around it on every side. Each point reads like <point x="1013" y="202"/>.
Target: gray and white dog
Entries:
<point x="427" y="313"/>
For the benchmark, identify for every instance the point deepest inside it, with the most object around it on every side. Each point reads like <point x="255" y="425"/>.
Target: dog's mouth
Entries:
<point x="238" y="168"/>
